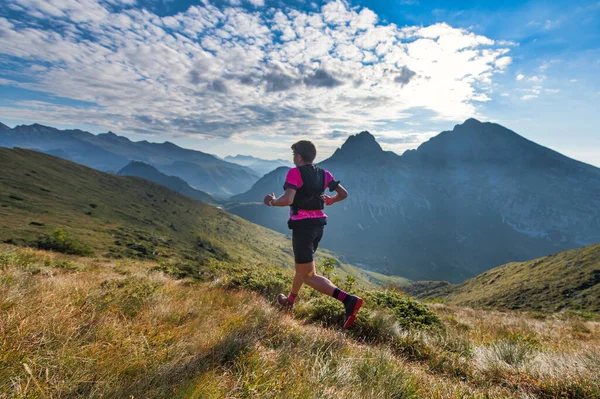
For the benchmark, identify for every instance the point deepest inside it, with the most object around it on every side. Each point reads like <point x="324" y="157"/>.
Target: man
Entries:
<point x="305" y="194"/>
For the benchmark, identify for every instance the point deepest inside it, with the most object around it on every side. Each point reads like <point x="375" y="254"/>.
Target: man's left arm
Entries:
<point x="286" y="199"/>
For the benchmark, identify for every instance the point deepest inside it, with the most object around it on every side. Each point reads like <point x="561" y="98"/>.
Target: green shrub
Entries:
<point x="60" y="241"/>
<point x="268" y="281"/>
<point x="328" y="265"/>
<point x="6" y="259"/>
<point x="409" y="313"/>
<point x="181" y="270"/>
<point x="585" y="315"/>
<point x="322" y="309"/>
<point x="371" y="325"/>
<point x="18" y="259"/>
<point x="62" y="264"/>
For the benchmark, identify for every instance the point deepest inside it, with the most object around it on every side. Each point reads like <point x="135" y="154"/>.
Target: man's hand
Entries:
<point x="329" y="200"/>
<point x="269" y="198"/>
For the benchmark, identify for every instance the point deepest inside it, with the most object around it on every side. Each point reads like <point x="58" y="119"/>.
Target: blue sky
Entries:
<point x="253" y="76"/>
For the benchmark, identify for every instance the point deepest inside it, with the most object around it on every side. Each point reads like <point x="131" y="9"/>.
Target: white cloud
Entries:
<point x="336" y="13"/>
<point x="257" y="3"/>
<point x="536" y="79"/>
<point x="549" y="24"/>
<point x="503" y="62"/>
<point x="230" y="72"/>
<point x="520" y="76"/>
<point x="528" y="97"/>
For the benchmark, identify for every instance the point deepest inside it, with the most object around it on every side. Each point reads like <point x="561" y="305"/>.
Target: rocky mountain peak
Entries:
<point x="362" y="145"/>
<point x="112" y="137"/>
<point x="36" y="127"/>
<point x="476" y="140"/>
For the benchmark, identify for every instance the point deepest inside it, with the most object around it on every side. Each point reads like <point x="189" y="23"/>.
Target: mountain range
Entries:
<point x="110" y="153"/>
<point x="127" y="216"/>
<point x="463" y="202"/>
<point x="261" y="166"/>
<point x="149" y="172"/>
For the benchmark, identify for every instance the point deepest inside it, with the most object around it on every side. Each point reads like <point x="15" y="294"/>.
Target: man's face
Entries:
<point x="297" y="159"/>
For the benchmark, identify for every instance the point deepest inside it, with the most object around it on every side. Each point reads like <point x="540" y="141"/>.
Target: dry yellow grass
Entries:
<point x="82" y="327"/>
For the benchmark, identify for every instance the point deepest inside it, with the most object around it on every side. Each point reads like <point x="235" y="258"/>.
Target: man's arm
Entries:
<point x="341" y="194"/>
<point x="285" y="200"/>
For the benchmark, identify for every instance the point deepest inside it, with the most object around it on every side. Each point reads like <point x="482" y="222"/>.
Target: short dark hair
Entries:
<point x="305" y="149"/>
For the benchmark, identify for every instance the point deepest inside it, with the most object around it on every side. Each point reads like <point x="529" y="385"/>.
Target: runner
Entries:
<point x="305" y="195"/>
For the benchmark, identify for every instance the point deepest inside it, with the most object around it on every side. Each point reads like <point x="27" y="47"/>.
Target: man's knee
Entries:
<point x="309" y="278"/>
<point x="306" y="271"/>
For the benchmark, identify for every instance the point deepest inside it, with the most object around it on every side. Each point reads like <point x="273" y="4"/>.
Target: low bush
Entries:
<point x="62" y="264"/>
<point x="380" y="320"/>
<point x="409" y="313"/>
<point x="266" y="281"/>
<point x="60" y="241"/>
<point x="18" y="259"/>
<point x="322" y="309"/>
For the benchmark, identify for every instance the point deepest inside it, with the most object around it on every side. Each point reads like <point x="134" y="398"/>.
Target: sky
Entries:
<point x="254" y="76"/>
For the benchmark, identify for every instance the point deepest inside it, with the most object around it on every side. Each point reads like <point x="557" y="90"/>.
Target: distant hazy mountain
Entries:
<point x="465" y="201"/>
<point x="125" y="216"/>
<point x="174" y="183"/>
<point x="271" y="182"/>
<point x="260" y="166"/>
<point x="109" y="152"/>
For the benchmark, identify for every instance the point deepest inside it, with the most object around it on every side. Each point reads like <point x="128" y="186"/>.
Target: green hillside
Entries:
<point x="121" y="216"/>
<point x="566" y="280"/>
<point x="64" y="320"/>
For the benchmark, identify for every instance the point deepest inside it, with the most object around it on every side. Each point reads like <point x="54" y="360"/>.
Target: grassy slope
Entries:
<point x="131" y="217"/>
<point x="566" y="280"/>
<point x="64" y="320"/>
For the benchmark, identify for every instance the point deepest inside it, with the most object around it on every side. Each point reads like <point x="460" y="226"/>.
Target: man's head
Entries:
<point x="304" y="152"/>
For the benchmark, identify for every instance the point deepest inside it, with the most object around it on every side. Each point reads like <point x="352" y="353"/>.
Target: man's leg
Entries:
<point x="309" y="275"/>
<point x="303" y="271"/>
<point x="296" y="285"/>
<point x="306" y="273"/>
<point x="305" y="241"/>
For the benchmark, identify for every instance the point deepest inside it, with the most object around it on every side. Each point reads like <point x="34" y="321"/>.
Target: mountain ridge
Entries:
<point x="110" y="152"/>
<point x="565" y="280"/>
<point x="127" y="216"/>
<point x="443" y="213"/>
<point x="149" y="172"/>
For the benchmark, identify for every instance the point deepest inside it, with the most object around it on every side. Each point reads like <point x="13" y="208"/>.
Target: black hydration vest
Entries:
<point x="310" y="195"/>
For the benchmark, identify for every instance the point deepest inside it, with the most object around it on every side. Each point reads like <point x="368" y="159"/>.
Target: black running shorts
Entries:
<point x="306" y="241"/>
